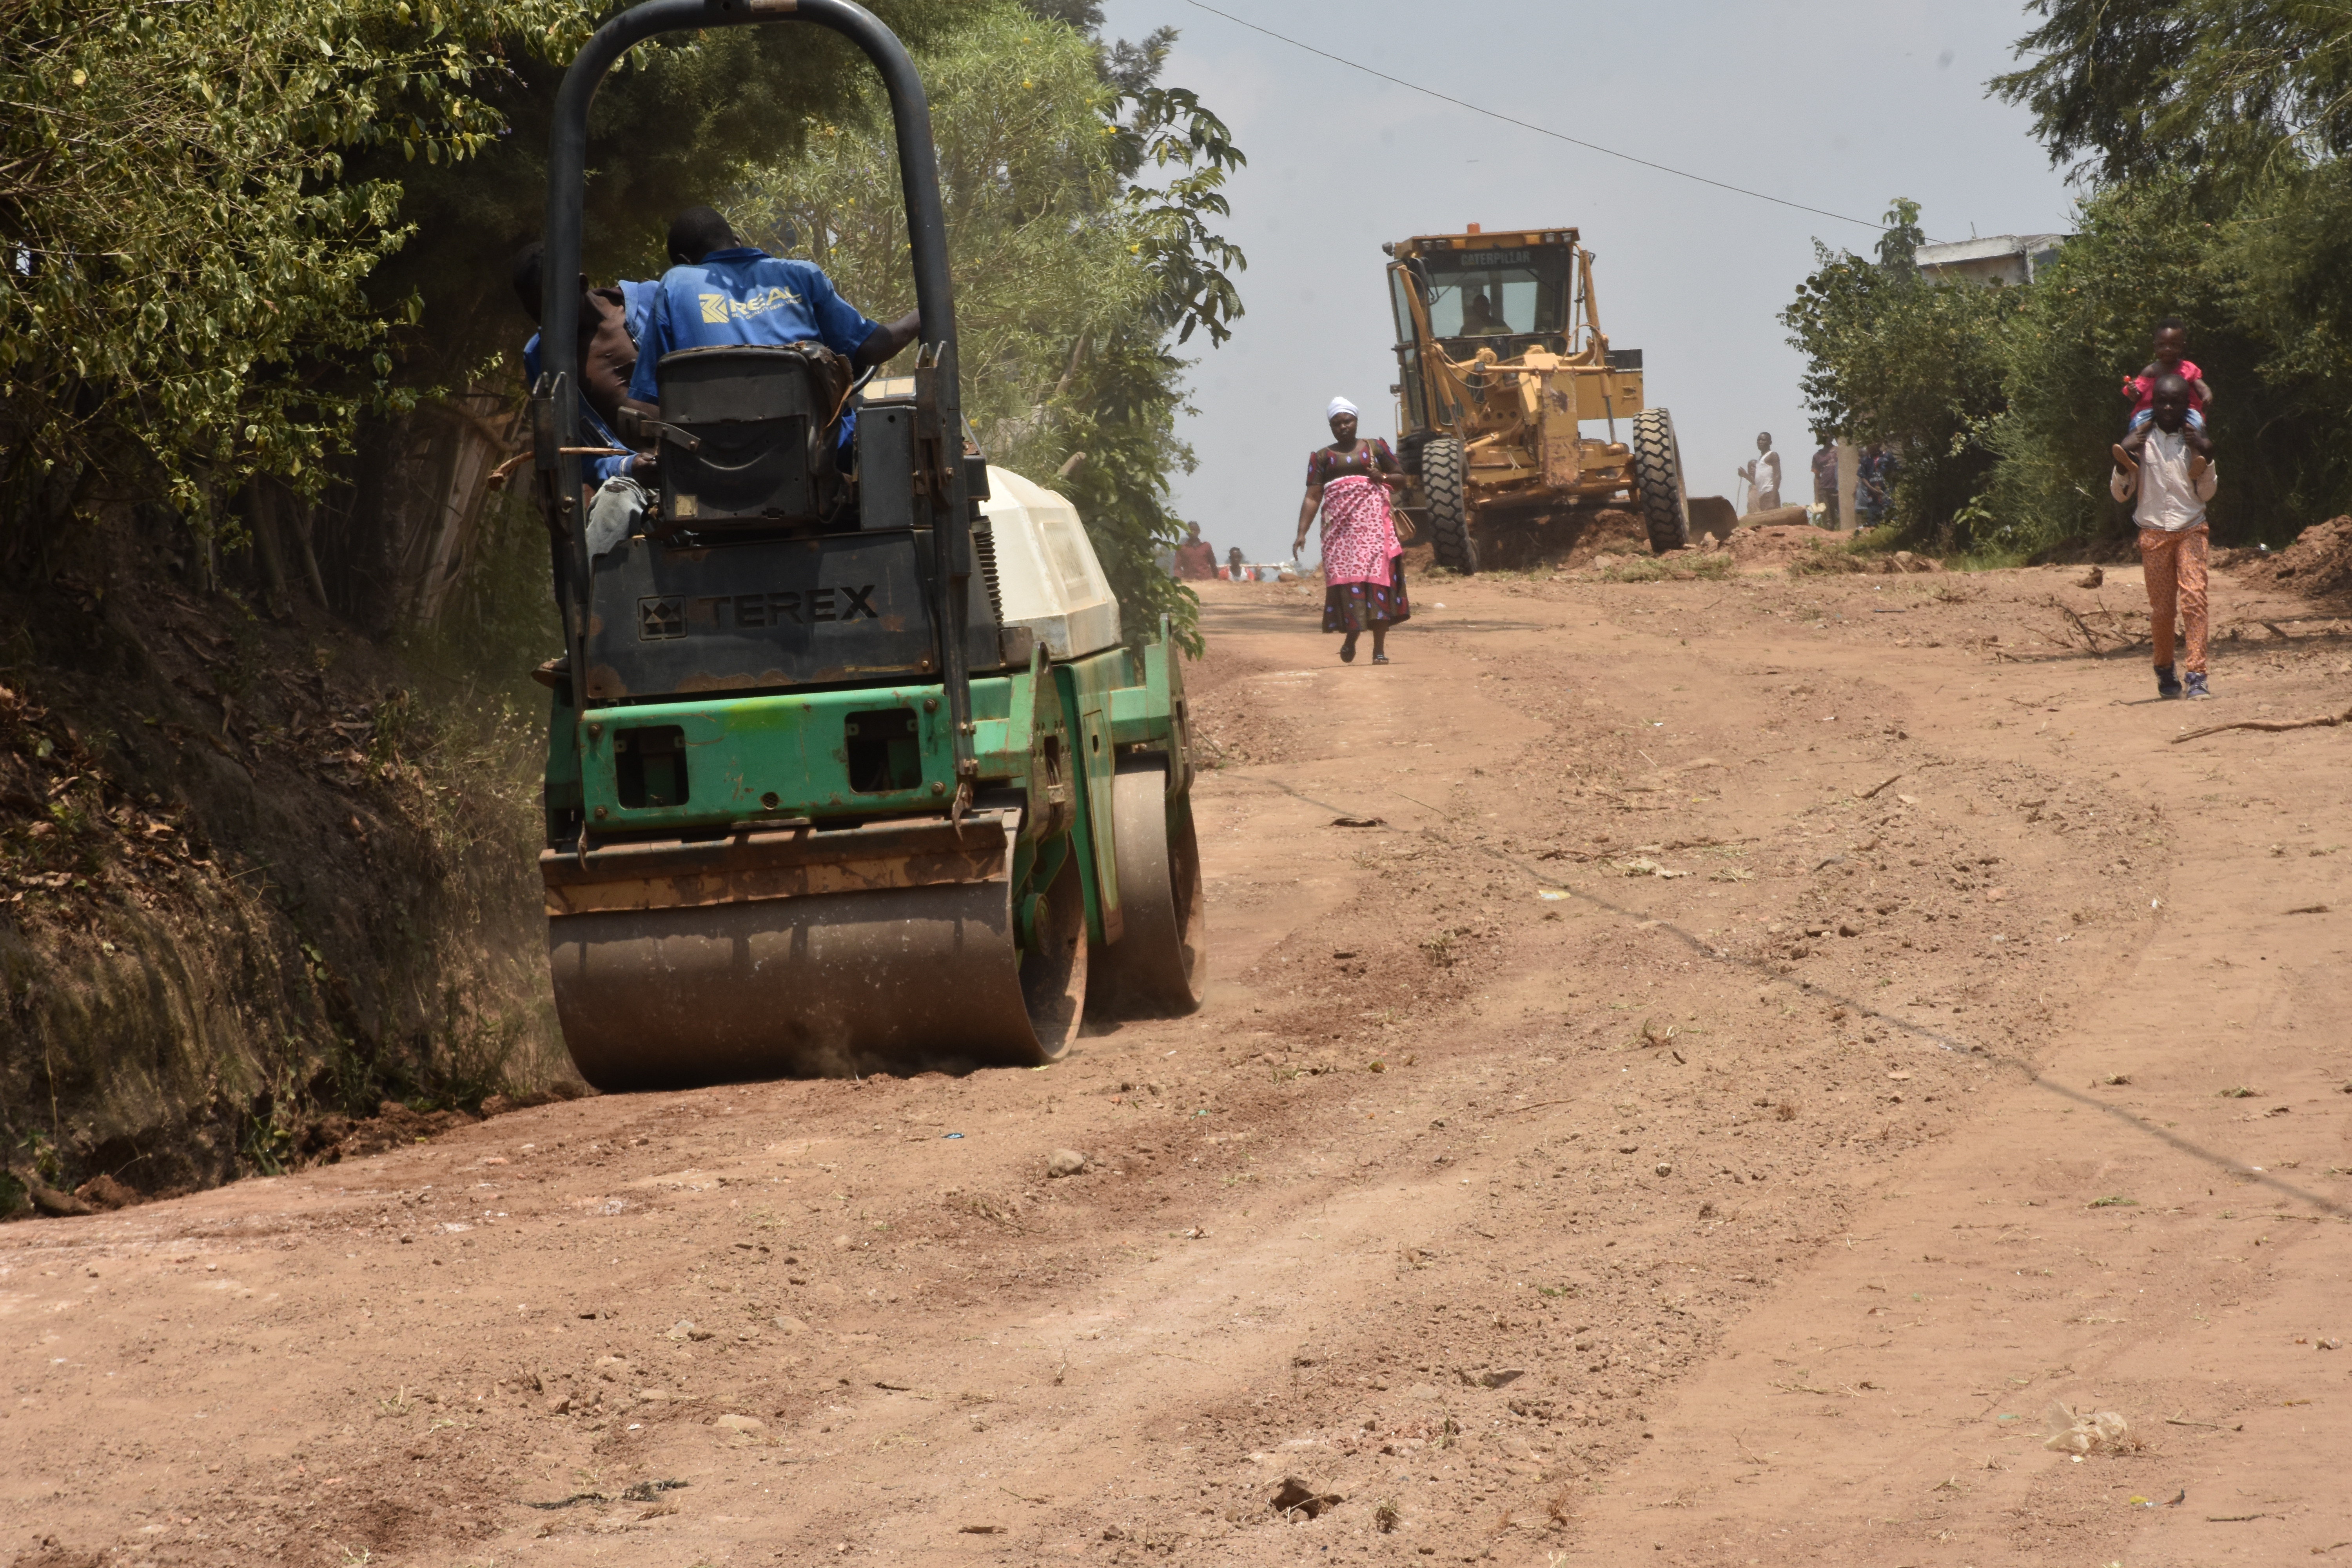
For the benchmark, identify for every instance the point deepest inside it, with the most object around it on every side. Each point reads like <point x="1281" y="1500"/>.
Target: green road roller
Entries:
<point x="851" y="767"/>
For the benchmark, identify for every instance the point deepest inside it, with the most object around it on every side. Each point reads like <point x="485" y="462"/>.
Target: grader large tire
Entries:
<point x="1444" y="477"/>
<point x="1658" y="475"/>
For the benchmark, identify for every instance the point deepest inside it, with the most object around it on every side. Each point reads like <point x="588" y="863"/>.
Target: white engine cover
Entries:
<point x="1046" y="568"/>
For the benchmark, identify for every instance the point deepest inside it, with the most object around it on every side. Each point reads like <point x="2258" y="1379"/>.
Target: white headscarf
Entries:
<point x="1338" y="406"/>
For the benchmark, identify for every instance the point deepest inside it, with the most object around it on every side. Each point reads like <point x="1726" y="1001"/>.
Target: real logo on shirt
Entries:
<point x="718" y="308"/>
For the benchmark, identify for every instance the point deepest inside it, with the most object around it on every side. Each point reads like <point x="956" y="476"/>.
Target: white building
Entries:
<point x="2011" y="258"/>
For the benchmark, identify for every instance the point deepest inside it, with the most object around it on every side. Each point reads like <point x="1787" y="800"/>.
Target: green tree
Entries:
<point x="2217" y="89"/>
<point x="1916" y="365"/>
<point x="678" y="121"/>
<point x="1073" y="269"/>
<point x="184" y="301"/>
<point x="270" y="240"/>
<point x="2212" y="135"/>
<point x="2098" y="75"/>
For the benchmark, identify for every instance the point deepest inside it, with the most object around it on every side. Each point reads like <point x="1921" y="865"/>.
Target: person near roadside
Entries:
<point x="612" y="321"/>
<point x="2169" y="481"/>
<point x="2168" y="355"/>
<point x="1873" y="485"/>
<point x="1825" y="480"/>
<point x="1235" y="569"/>
<point x="720" y="291"/>
<point x="1363" y="564"/>
<point x="1762" y="473"/>
<point x="1480" y="320"/>
<point x="1196" y="561"/>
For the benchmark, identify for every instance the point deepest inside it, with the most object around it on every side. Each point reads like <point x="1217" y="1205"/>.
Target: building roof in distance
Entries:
<point x="1987" y="248"/>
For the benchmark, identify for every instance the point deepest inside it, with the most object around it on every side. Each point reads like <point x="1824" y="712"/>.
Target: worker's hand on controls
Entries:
<point x="645" y="467"/>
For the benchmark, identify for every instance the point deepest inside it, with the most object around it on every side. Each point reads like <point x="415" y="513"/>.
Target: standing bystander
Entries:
<point x="1825" y="480"/>
<point x="1762" y="473"/>
<point x="1196" y="559"/>
<point x="1873" y="486"/>
<point x="2172" y="483"/>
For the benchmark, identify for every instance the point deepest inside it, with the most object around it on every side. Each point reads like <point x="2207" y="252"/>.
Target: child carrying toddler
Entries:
<point x="2167" y="481"/>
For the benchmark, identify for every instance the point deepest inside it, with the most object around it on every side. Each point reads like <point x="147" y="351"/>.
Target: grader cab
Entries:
<point x="1504" y="365"/>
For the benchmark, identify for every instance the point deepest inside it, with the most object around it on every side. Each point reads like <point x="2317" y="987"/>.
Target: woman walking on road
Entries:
<point x="1363" y="564"/>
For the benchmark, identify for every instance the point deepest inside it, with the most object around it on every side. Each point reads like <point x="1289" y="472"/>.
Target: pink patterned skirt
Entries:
<point x="1363" y="564"/>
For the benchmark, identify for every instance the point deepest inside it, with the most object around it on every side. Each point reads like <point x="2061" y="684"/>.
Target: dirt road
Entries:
<point x="1775" y="1039"/>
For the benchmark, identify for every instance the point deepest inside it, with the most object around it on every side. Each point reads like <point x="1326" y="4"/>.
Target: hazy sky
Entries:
<point x="1840" y="104"/>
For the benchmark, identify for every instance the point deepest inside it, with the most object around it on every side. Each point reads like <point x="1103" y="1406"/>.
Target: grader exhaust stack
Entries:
<point x="1503" y="365"/>
<point x="848" y="771"/>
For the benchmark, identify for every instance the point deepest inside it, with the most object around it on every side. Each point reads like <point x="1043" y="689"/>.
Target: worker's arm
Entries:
<point x="883" y="344"/>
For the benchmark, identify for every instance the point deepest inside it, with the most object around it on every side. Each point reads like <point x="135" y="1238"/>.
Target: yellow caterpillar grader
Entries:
<point x="1503" y="362"/>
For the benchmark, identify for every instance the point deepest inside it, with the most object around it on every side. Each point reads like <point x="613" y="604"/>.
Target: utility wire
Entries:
<point x="1539" y="130"/>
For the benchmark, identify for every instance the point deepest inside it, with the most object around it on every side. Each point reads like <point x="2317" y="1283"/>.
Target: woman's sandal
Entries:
<point x="1379" y="658"/>
<point x="1348" y="651"/>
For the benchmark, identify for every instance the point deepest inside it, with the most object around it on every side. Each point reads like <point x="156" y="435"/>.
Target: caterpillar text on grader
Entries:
<point x="1504" y="363"/>
<point x="852" y="769"/>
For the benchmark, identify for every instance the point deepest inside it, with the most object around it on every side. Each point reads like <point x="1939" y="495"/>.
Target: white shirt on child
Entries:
<point x="2168" y="502"/>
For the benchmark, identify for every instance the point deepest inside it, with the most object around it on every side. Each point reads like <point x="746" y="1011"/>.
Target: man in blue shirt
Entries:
<point x="721" y="291"/>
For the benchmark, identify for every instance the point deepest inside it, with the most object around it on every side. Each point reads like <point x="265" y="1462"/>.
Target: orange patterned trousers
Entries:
<point x="2175" y="564"/>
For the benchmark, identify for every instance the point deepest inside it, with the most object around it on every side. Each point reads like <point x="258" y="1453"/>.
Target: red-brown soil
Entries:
<point x="2318" y="561"/>
<point x="1783" y="1036"/>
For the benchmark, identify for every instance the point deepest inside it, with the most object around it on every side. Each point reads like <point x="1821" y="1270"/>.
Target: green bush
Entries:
<point x="2211" y="138"/>
<point x="1078" y="198"/>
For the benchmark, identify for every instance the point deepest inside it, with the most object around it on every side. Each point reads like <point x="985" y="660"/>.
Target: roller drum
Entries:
<point x="1159" y="965"/>
<point x="824" y="985"/>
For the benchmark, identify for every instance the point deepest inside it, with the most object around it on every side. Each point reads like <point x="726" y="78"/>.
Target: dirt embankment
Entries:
<point x="252" y="885"/>
<point x="2318" y="563"/>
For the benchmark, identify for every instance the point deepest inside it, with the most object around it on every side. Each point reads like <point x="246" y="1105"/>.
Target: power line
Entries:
<point x="1539" y="130"/>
